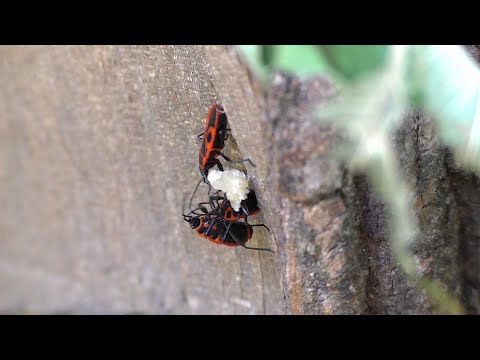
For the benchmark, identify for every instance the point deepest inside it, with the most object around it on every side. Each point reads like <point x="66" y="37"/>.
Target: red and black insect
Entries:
<point x="213" y="141"/>
<point x="221" y="232"/>
<point x="220" y="225"/>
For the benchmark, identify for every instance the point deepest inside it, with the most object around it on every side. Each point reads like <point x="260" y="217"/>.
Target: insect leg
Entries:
<point x="250" y="248"/>
<point x="265" y="226"/>
<point x="194" y="192"/>
<point x="236" y="161"/>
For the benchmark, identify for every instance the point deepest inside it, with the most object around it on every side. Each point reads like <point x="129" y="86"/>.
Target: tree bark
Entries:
<point x="98" y="157"/>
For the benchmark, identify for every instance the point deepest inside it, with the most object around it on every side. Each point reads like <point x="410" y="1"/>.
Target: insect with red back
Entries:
<point x="212" y="143"/>
<point x="221" y="232"/>
<point x="213" y="225"/>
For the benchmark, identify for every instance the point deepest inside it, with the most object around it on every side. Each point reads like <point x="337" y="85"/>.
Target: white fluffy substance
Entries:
<point x="233" y="183"/>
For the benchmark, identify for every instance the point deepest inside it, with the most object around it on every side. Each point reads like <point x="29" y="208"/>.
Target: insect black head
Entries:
<point x="194" y="221"/>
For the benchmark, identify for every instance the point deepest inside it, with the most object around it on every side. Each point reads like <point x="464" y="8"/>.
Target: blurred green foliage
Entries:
<point x="442" y="80"/>
<point x="378" y="85"/>
<point x="352" y="61"/>
<point x="302" y="60"/>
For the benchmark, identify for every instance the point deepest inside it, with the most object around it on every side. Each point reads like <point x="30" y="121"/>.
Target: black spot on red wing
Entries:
<point x="210" y="146"/>
<point x="209" y="137"/>
<point x="230" y="215"/>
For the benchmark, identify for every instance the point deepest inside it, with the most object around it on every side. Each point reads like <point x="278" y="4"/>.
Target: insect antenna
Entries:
<point x="194" y="192"/>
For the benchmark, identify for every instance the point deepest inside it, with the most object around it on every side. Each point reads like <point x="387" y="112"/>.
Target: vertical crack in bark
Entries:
<point x="465" y="187"/>
<point x="374" y="247"/>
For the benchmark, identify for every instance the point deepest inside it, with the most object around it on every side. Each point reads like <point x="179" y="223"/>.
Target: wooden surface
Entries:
<point x="97" y="149"/>
<point x="98" y="153"/>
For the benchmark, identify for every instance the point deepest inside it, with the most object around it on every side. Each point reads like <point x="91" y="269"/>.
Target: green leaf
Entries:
<point x="449" y="82"/>
<point x="302" y="60"/>
<point x="354" y="61"/>
<point x="256" y="56"/>
<point x="268" y="52"/>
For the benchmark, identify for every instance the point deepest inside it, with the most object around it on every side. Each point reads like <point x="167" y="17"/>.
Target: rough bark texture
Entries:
<point x="424" y="166"/>
<point x="97" y="157"/>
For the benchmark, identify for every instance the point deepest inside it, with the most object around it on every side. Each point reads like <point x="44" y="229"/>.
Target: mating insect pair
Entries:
<point x="221" y="224"/>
